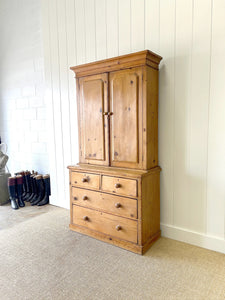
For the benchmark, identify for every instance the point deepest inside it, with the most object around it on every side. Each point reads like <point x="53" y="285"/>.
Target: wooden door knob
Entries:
<point x="117" y="205"/>
<point x="84" y="179"/>
<point x="118" y="228"/>
<point x="117" y="185"/>
<point x="85" y="218"/>
<point x="85" y="197"/>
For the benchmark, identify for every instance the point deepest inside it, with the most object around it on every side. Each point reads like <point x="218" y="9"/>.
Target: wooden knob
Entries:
<point x="118" y="228"/>
<point x="85" y="218"/>
<point x="84" y="179"/>
<point x="117" y="205"/>
<point x="85" y="197"/>
<point x="117" y="185"/>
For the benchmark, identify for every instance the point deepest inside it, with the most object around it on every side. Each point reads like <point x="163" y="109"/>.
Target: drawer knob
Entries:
<point x="117" y="205"/>
<point x="118" y="228"/>
<point x="117" y="185"/>
<point x="84" y="179"/>
<point x="85" y="197"/>
<point x="85" y="218"/>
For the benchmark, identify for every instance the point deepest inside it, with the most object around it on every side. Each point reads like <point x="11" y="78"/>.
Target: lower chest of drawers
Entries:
<point x="110" y="208"/>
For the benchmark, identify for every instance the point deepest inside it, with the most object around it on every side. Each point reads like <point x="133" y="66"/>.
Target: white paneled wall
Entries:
<point x="22" y="106"/>
<point x="189" y="36"/>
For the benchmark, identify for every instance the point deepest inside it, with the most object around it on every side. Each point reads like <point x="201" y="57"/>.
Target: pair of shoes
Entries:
<point x="43" y="190"/>
<point x="15" y="187"/>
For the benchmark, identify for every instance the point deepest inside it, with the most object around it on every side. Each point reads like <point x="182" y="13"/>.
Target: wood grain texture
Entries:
<point x="117" y="63"/>
<point x="125" y="207"/>
<point x="105" y="223"/>
<point x="93" y="125"/>
<point x="126" y="121"/>
<point x="150" y="204"/>
<point x="85" y="180"/>
<point x="126" y="187"/>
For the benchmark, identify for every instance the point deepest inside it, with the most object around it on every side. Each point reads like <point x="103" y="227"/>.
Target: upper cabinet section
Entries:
<point x="117" y="102"/>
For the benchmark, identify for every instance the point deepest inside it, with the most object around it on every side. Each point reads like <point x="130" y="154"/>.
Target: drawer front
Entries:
<point x="122" y="186"/>
<point x="113" y="204"/>
<point x="85" y="180"/>
<point x="118" y="227"/>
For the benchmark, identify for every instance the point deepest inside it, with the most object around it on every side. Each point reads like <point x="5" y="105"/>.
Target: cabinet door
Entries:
<point x="126" y="118"/>
<point x="93" y="131"/>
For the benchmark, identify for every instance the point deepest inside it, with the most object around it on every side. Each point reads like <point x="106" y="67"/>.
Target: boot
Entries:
<point x="40" y="189"/>
<point x="32" y="188"/>
<point x="24" y="185"/>
<point x="45" y="200"/>
<point x="12" y="192"/>
<point x="35" y="189"/>
<point x="19" y="187"/>
<point x="28" y="186"/>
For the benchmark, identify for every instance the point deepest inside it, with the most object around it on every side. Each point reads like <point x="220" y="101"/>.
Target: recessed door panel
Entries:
<point x="125" y="92"/>
<point x="94" y="124"/>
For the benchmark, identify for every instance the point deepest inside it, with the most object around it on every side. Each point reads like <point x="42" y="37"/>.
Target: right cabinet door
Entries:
<point x="125" y="88"/>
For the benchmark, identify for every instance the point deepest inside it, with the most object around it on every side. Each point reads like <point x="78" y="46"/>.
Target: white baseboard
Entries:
<point x="194" y="238"/>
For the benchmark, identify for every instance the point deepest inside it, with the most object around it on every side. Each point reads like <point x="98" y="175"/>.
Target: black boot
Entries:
<point x="24" y="185"/>
<point x="47" y="184"/>
<point x="28" y="186"/>
<point x="12" y="192"/>
<point x="40" y="189"/>
<point x="35" y="188"/>
<point x="33" y="194"/>
<point x="19" y="188"/>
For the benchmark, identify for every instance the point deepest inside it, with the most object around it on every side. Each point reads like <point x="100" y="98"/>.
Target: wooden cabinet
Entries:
<point x="115" y="187"/>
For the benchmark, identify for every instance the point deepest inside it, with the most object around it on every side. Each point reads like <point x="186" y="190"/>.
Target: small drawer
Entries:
<point x="85" y="180"/>
<point x="122" y="186"/>
<point x="122" y="206"/>
<point x="118" y="227"/>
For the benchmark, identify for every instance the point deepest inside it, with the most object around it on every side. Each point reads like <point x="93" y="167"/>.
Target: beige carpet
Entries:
<point x="40" y="258"/>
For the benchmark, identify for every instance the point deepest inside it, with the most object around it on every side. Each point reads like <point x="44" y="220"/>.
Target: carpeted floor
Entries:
<point x="40" y="258"/>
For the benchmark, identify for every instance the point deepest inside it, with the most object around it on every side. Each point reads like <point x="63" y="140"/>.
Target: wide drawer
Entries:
<point x="119" y="227"/>
<point x="85" y="180"/>
<point x="122" y="206"/>
<point x="122" y="186"/>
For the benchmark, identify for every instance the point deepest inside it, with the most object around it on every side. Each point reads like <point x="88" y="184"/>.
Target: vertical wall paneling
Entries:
<point x="89" y="8"/>
<point x="64" y="91"/>
<point x="112" y="28"/>
<point x="101" y="41"/>
<point x="152" y="23"/>
<point x="124" y="27"/>
<point x="49" y="100"/>
<point x="216" y="139"/>
<point x="72" y="61"/>
<point x="55" y="75"/>
<point x="137" y="25"/>
<point x="199" y="104"/>
<point x="189" y="37"/>
<point x="183" y="44"/>
<point x="166" y="108"/>
<point x="80" y="32"/>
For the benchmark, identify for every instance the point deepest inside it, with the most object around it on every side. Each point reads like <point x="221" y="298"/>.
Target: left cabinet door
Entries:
<point x="93" y="123"/>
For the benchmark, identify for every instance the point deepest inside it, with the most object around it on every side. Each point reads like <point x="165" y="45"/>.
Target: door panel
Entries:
<point x="94" y="126"/>
<point x="125" y="122"/>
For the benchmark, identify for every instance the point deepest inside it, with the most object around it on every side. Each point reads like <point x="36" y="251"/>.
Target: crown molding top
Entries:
<point x="142" y="58"/>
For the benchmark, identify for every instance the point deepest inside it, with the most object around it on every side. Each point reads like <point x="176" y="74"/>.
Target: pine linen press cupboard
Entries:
<point x="114" y="190"/>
